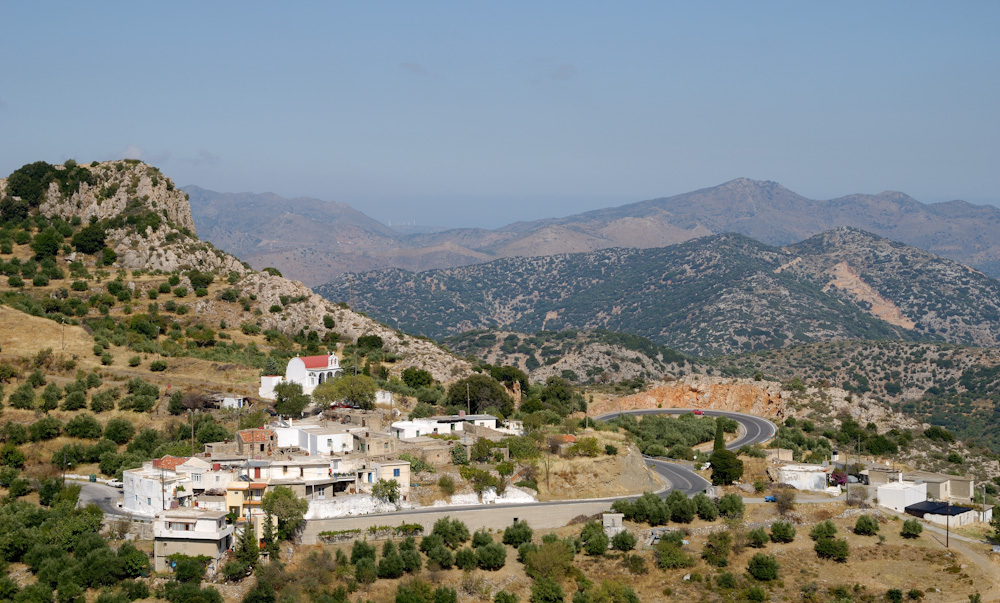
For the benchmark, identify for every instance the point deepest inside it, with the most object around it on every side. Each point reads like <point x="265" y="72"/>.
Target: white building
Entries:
<point x="898" y="495"/>
<point x="421" y="427"/>
<point x="191" y="532"/>
<point x="805" y="477"/>
<point x="307" y="371"/>
<point x="154" y="487"/>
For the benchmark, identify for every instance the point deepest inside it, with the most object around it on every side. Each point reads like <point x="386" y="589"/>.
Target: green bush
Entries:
<point x="912" y="528"/>
<point x="595" y="541"/>
<point x="866" y="526"/>
<point x="134" y="361"/>
<point x="782" y="531"/>
<point x="517" y="533"/>
<point x="731" y="506"/>
<point x="757" y="538"/>
<point x="180" y="291"/>
<point x="836" y="549"/>
<point x="763" y="567"/>
<point x="491" y="557"/>
<point x="158" y="366"/>
<point x="465" y="559"/>
<point x="824" y="529"/>
<point x="623" y="541"/>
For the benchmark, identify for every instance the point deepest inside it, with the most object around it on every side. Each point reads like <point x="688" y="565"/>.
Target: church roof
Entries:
<point x="316" y="362"/>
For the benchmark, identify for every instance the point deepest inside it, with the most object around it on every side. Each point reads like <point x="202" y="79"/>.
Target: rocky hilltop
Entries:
<point x="146" y="221"/>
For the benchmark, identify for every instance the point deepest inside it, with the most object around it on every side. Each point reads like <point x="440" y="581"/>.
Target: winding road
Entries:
<point x="754" y="430"/>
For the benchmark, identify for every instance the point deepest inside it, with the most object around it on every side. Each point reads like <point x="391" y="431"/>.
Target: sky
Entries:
<point x="481" y="114"/>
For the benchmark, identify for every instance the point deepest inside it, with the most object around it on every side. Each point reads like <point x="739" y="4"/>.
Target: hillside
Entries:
<point x="315" y="241"/>
<point x="715" y="295"/>
<point x="113" y="244"/>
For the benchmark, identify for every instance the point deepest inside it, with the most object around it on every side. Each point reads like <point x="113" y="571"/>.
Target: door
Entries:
<point x="256" y="472"/>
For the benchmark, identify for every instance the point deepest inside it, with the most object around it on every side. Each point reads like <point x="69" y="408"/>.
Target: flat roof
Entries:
<point x="462" y="417"/>
<point x="192" y="514"/>
<point x="937" y="508"/>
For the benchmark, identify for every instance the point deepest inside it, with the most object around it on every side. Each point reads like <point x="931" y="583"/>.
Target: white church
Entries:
<point x="307" y="371"/>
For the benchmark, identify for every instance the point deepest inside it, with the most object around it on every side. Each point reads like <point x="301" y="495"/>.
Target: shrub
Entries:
<point x="832" y="548"/>
<point x="716" y="551"/>
<point x="824" y="529"/>
<point x="784" y="501"/>
<point x="912" y="528"/>
<point x="481" y="538"/>
<point x="120" y="431"/>
<point x="451" y="531"/>
<point x="134" y="361"/>
<point x="894" y="595"/>
<point x="866" y="526"/>
<point x="545" y="590"/>
<point x="447" y="484"/>
<point x="758" y="538"/>
<point x="158" y="366"/>
<point x="275" y="309"/>
<point x="491" y="557"/>
<point x="180" y="291"/>
<point x="504" y="597"/>
<point x="782" y="531"/>
<point x="83" y="426"/>
<point x="670" y="556"/>
<point x="517" y="533"/>
<point x="465" y="559"/>
<point x="595" y="541"/>
<point x="726" y="580"/>
<point x="731" y="506"/>
<point x="763" y="567"/>
<point x="623" y="541"/>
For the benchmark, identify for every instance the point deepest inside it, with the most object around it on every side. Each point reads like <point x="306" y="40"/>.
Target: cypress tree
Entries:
<point x="720" y="436"/>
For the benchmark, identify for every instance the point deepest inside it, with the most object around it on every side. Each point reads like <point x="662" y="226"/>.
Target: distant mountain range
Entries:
<point x="314" y="241"/>
<point x="719" y="294"/>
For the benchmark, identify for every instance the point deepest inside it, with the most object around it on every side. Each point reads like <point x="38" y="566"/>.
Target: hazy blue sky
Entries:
<point x="470" y="113"/>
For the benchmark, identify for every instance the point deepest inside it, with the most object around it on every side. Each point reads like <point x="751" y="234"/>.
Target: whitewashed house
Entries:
<point x="897" y="495"/>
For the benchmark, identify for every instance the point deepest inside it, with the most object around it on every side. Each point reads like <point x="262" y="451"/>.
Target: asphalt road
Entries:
<point x="102" y="495"/>
<point x="755" y="430"/>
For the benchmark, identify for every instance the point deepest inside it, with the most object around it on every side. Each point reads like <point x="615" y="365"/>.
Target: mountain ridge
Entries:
<point x="765" y="210"/>
<point x="720" y="294"/>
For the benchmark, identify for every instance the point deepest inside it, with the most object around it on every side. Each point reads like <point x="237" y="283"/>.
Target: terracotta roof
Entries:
<point x="255" y="435"/>
<point x="565" y="438"/>
<point x="315" y="362"/>
<point x="170" y="462"/>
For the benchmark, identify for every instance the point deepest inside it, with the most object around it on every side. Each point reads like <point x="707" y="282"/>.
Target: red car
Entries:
<point x="698" y="412"/>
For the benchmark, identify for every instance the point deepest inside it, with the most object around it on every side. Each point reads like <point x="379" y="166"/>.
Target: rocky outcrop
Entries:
<point x="116" y="185"/>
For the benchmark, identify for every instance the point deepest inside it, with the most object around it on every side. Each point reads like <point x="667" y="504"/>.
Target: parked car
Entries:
<point x="769" y="498"/>
<point x="699" y="412"/>
<point x="115" y="483"/>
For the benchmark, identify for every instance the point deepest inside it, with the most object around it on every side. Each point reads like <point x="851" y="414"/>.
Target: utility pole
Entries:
<point x="947" y="525"/>
<point x="191" y="418"/>
<point x="468" y="400"/>
<point x="64" y="334"/>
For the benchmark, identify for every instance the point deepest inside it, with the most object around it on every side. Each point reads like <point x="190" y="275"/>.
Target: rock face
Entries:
<point x="117" y="184"/>
<point x="761" y="398"/>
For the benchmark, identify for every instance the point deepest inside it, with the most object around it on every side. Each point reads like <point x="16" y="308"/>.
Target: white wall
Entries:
<point x="896" y="498"/>
<point x="803" y="480"/>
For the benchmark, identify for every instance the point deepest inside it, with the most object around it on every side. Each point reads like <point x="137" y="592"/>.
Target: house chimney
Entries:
<point x="461" y="413"/>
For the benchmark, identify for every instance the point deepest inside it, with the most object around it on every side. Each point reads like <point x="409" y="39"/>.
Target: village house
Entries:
<point x="191" y="532"/>
<point x="256" y="443"/>
<point x="152" y="488"/>
<point x="805" y="476"/>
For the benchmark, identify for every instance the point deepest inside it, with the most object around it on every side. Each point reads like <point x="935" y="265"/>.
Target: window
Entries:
<point x="395" y="472"/>
<point x="329" y="443"/>
<point x="196" y="477"/>
<point x="385" y="446"/>
<point x="301" y="471"/>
